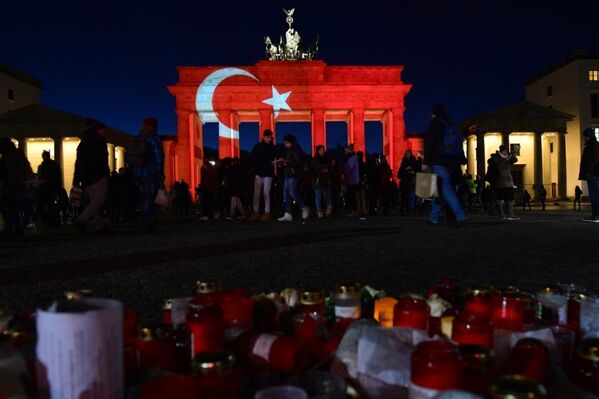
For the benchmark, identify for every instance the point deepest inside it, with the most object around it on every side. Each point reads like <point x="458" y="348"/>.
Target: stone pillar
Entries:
<point x="184" y="148"/>
<point x="481" y="162"/>
<point x="319" y="136"/>
<point x="538" y="163"/>
<point x="267" y="121"/>
<point x="228" y="136"/>
<point x="388" y="135"/>
<point x="469" y="168"/>
<point x="58" y="154"/>
<point x="505" y="139"/>
<point x="356" y="134"/>
<point x="111" y="156"/>
<point x="398" y="142"/>
<point x="562" y="176"/>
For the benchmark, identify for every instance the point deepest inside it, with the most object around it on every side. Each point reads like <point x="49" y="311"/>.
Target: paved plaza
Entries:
<point x="398" y="254"/>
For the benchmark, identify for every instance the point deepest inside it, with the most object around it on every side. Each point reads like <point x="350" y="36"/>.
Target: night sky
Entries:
<point x="113" y="61"/>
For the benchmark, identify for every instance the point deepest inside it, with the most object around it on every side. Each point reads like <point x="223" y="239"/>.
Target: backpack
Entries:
<point x="138" y="152"/>
<point x="492" y="171"/>
<point x="453" y="141"/>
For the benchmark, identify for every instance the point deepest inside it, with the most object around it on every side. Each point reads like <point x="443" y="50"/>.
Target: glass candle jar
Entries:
<point x="479" y="302"/>
<point x="172" y="386"/>
<point x="436" y="366"/>
<point x="208" y="290"/>
<point x="516" y="387"/>
<point x="129" y="326"/>
<point x="216" y="375"/>
<point x="508" y="312"/>
<point x="479" y="368"/>
<point x="411" y="312"/>
<point x="312" y="302"/>
<point x="167" y="309"/>
<point x="553" y="305"/>
<point x="471" y="329"/>
<point x="156" y="347"/>
<point x="310" y="321"/>
<point x="347" y="301"/>
<point x="586" y="365"/>
<point x="206" y="326"/>
<point x="529" y="359"/>
<point x="182" y="342"/>
<point x="278" y="353"/>
<point x="383" y="311"/>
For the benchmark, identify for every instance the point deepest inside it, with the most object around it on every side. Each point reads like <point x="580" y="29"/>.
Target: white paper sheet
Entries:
<point x="80" y="349"/>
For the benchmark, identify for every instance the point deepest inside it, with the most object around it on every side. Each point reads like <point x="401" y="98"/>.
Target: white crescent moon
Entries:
<point x="205" y="94"/>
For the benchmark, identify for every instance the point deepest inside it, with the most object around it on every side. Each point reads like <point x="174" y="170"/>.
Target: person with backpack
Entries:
<point x="91" y="175"/>
<point x="589" y="171"/>
<point x="320" y="168"/>
<point x="146" y="160"/>
<point x="444" y="154"/>
<point x="292" y="169"/>
<point x="502" y="162"/>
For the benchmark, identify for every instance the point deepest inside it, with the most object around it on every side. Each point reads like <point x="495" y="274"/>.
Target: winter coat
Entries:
<point x="15" y="175"/>
<point x="504" y="177"/>
<point x="351" y="171"/>
<point x="262" y="158"/>
<point x="320" y="168"/>
<point x="294" y="162"/>
<point x="407" y="173"/>
<point x="434" y="144"/>
<point x="92" y="160"/>
<point x="589" y="163"/>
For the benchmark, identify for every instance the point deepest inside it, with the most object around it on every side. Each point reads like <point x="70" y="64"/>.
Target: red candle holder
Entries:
<point x="586" y="365"/>
<point x="411" y="312"/>
<point x="508" y="313"/>
<point x="155" y="347"/>
<point x="479" y="368"/>
<point x="529" y="359"/>
<point x="471" y="329"/>
<point x="479" y="304"/>
<point x="436" y="366"/>
<point x="279" y="353"/>
<point x="216" y="375"/>
<point x="129" y="326"/>
<point x="206" y="326"/>
<point x="172" y="386"/>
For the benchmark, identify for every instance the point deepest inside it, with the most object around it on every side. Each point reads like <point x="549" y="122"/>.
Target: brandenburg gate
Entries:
<point x="291" y="86"/>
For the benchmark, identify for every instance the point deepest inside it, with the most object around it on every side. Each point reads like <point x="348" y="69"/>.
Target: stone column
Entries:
<point x="266" y="121"/>
<point x="538" y="162"/>
<point x="319" y="136"/>
<point x="111" y="156"/>
<point x="398" y="142"/>
<point x="469" y="168"/>
<point x="388" y="135"/>
<point x="58" y="154"/>
<point x="481" y="162"/>
<point x="356" y="133"/>
<point x="562" y="176"/>
<point x="228" y="136"/>
<point x="184" y="148"/>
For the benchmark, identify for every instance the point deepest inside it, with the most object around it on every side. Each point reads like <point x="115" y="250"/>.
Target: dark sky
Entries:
<point x="112" y="61"/>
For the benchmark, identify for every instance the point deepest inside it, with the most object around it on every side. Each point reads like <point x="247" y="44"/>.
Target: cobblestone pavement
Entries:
<point x="398" y="254"/>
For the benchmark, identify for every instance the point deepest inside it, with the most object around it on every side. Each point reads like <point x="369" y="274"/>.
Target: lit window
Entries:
<point x="594" y="75"/>
<point x="11" y="95"/>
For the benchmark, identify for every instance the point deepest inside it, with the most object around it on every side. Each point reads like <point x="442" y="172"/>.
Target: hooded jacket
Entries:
<point x="504" y="177"/>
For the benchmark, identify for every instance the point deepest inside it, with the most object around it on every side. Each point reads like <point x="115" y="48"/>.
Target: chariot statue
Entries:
<point x="290" y="48"/>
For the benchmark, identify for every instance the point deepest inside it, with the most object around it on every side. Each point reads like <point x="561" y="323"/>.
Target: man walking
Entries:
<point x="147" y="165"/>
<point x="577" y="197"/>
<point x="262" y="159"/>
<point x="91" y="174"/>
<point x="443" y="155"/>
<point x="292" y="164"/>
<point x="589" y="171"/>
<point x="51" y="183"/>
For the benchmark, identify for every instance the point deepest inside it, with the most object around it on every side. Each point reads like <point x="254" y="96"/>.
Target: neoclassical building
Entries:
<point x="36" y="128"/>
<point x="536" y="134"/>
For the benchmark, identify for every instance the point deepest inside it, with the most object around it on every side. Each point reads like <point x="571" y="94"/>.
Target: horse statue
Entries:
<point x="272" y="51"/>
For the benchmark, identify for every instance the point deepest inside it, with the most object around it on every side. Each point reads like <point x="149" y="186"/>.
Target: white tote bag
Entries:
<point x="426" y="185"/>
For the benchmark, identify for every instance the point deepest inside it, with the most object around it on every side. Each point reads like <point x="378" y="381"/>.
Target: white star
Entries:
<point x="278" y="101"/>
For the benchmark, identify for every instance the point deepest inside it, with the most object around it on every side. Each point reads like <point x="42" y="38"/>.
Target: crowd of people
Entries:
<point x="274" y="180"/>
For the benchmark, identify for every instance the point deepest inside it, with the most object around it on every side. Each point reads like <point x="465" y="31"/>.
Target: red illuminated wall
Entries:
<point x="318" y="93"/>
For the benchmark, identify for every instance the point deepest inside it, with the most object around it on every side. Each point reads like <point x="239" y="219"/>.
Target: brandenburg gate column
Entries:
<point x="388" y="135"/>
<point x="318" y="129"/>
<point x="398" y="143"/>
<point x="184" y="147"/>
<point x="228" y="136"/>
<point x="356" y="133"/>
<point x="267" y="121"/>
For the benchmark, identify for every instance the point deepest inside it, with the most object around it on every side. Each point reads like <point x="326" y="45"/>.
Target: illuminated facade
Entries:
<point x="36" y="128"/>
<point x="284" y="91"/>
<point x="536" y="134"/>
<point x="571" y="86"/>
